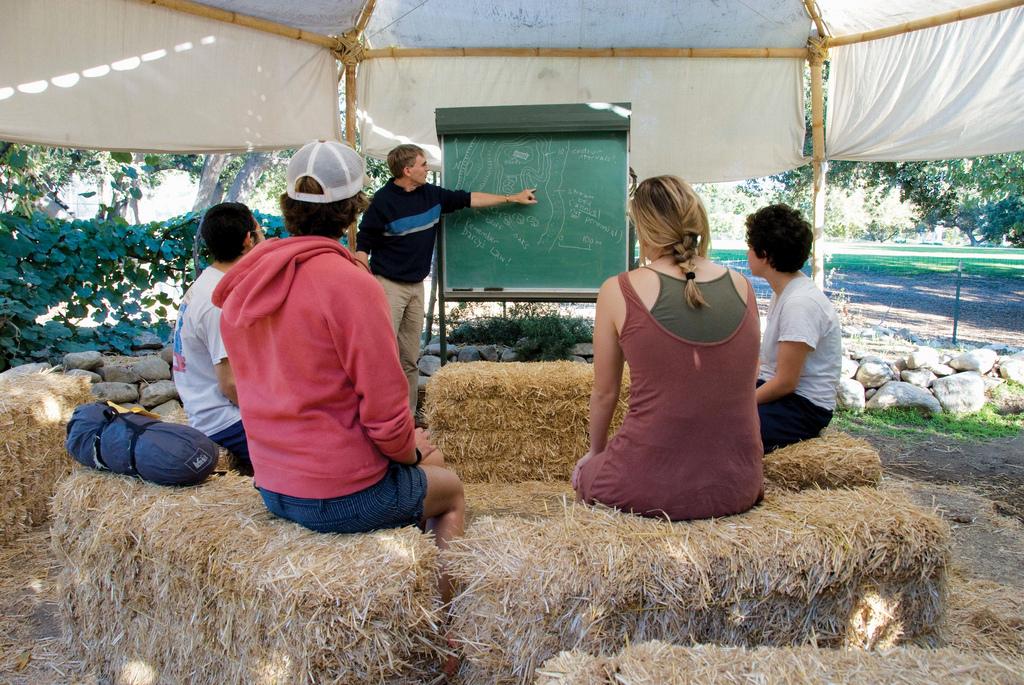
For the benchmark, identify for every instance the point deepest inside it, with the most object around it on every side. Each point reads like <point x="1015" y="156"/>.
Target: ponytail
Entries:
<point x="684" y="254"/>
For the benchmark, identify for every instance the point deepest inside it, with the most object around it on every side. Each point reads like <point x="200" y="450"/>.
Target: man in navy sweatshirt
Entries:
<point x="396" y="241"/>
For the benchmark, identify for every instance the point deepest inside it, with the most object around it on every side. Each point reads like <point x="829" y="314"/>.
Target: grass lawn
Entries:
<point x="997" y="262"/>
<point x="1002" y="417"/>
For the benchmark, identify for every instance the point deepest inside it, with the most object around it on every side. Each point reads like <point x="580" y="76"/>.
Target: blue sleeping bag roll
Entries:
<point x="101" y="437"/>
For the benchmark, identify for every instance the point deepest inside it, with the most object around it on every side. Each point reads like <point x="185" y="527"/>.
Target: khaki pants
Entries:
<point x="406" y="300"/>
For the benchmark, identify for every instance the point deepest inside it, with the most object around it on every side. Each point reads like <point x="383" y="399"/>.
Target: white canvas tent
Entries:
<point x="716" y="85"/>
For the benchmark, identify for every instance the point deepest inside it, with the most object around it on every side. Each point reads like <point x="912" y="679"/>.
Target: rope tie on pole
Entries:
<point x="817" y="50"/>
<point x="350" y="49"/>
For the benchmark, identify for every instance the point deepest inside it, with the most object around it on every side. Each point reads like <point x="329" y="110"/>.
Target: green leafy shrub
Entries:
<point x="536" y="337"/>
<point x="73" y="272"/>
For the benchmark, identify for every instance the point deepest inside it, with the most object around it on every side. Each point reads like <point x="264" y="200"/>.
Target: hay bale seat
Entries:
<point x="34" y="410"/>
<point x="203" y="585"/>
<point x="855" y="567"/>
<point x="658" y="663"/>
<point x="517" y="422"/>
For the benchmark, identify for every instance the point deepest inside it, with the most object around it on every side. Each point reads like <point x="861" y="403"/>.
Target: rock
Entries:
<point x="434" y="348"/>
<point x="583" y="349"/>
<point x="168" y="407"/>
<point x="116" y="392"/>
<point x="941" y="370"/>
<point x="167" y="354"/>
<point x="900" y="365"/>
<point x="421" y="383"/>
<point x="991" y="382"/>
<point x="850" y="394"/>
<point x="922" y="357"/>
<point x="981" y="360"/>
<point x="119" y="374"/>
<point x="509" y="355"/>
<point x="488" y="353"/>
<point x="874" y="374"/>
<point x="25" y="369"/>
<point x="856" y="353"/>
<point x="849" y="368"/>
<point x="578" y="359"/>
<point x="922" y="378"/>
<point x="869" y="393"/>
<point x="158" y="393"/>
<point x="429" y="365"/>
<point x="469" y="353"/>
<point x="147" y="340"/>
<point x="961" y="393"/>
<point x="900" y="394"/>
<point x="152" y="369"/>
<point x="1012" y="370"/>
<point x="93" y="377"/>
<point x="89" y="361"/>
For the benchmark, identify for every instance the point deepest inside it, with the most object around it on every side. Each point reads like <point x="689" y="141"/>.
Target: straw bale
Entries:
<point x="34" y="410"/>
<point x="512" y="422"/>
<point x="658" y="663"/>
<point x="835" y="460"/>
<point x="517" y="422"/>
<point x="984" y="616"/>
<point x="856" y="567"/>
<point x="203" y="585"/>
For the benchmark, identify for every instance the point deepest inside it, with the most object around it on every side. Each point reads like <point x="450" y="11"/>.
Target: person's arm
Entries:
<point x="480" y="200"/>
<point x="359" y="320"/>
<point x="789" y="364"/>
<point x="370" y="229"/>
<point x="608" y="361"/>
<point x="226" y="380"/>
<point x="363" y="258"/>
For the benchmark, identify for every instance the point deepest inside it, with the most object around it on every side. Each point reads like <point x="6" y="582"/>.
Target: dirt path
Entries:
<point x="991" y="309"/>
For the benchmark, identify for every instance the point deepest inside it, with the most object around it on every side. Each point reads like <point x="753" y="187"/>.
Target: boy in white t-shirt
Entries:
<point x="801" y="347"/>
<point x="202" y="372"/>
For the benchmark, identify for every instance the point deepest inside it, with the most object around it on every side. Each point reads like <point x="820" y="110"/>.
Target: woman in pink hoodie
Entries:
<point x="322" y="394"/>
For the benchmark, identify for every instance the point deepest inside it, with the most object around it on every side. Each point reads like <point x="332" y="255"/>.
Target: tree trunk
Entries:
<point x="247" y="178"/>
<point x="210" y="188"/>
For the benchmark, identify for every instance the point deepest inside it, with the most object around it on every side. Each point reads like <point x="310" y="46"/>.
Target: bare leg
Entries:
<point x="444" y="509"/>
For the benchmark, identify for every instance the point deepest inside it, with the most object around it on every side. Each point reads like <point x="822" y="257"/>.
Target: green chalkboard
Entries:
<point x="569" y="242"/>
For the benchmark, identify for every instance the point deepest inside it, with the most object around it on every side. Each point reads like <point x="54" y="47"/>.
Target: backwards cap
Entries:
<point x="336" y="167"/>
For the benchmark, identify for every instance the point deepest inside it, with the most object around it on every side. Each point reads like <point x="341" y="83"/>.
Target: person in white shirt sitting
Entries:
<point x="801" y="347"/>
<point x="202" y="372"/>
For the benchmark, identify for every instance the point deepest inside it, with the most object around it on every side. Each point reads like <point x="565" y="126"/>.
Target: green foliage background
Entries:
<point x="80" y="272"/>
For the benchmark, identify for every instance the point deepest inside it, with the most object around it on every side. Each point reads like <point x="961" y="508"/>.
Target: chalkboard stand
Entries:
<point x="598" y="126"/>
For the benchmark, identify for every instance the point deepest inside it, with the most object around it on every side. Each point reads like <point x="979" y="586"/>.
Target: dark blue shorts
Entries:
<point x="789" y="420"/>
<point x="396" y="500"/>
<point x="233" y="440"/>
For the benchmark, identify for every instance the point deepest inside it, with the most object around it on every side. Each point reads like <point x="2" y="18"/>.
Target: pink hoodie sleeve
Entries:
<point x="358" y="317"/>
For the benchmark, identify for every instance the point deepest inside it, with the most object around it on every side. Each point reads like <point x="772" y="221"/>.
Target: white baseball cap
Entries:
<point x="335" y="166"/>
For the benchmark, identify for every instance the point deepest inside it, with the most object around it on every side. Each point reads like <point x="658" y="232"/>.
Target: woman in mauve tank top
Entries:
<point x="690" y="445"/>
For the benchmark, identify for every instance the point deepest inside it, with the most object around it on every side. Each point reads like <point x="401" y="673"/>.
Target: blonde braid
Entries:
<point x="684" y="254"/>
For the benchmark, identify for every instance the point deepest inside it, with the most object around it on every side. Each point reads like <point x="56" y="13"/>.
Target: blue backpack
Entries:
<point x="137" y="444"/>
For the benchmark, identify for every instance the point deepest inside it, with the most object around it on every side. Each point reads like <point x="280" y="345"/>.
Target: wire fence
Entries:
<point x="946" y="295"/>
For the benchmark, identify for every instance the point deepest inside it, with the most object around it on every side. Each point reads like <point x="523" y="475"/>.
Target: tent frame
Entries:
<point x="350" y="50"/>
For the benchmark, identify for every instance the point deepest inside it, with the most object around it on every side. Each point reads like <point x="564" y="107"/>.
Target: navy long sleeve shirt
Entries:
<point x="399" y="228"/>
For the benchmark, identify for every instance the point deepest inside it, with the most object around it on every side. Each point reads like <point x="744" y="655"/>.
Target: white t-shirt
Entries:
<point x="197" y="349"/>
<point x="802" y="313"/>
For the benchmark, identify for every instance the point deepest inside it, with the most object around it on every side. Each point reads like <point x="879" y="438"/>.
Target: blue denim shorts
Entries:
<point x="396" y="500"/>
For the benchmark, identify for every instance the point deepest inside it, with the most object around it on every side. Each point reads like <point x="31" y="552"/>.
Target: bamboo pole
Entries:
<point x="245" y="20"/>
<point x="351" y="101"/>
<point x="816" y="57"/>
<point x="751" y="53"/>
<point x="350" y="129"/>
<point x="927" y="23"/>
<point x="815" y="14"/>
